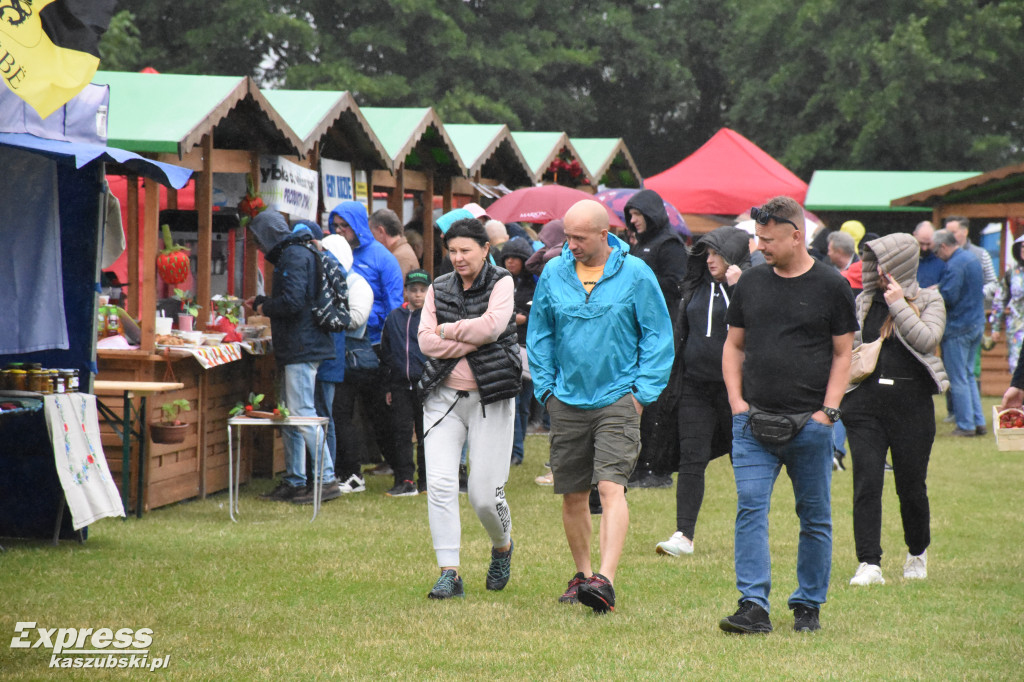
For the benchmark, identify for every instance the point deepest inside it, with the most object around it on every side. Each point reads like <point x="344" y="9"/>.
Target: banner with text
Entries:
<point x="288" y="187"/>
<point x="336" y="182"/>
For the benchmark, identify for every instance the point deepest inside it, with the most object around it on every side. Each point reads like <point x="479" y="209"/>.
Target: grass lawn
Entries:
<point x="275" y="597"/>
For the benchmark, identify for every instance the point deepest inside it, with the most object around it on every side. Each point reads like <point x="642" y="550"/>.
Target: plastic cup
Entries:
<point x="163" y="325"/>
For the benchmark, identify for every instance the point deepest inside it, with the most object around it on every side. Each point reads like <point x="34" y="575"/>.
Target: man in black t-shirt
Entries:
<point x="791" y="324"/>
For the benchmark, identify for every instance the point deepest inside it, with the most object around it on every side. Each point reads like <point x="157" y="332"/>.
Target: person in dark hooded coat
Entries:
<point x="664" y="251"/>
<point x="696" y="392"/>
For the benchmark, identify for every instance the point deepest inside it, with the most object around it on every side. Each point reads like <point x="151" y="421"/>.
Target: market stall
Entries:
<point x="424" y="159"/>
<point x="609" y="161"/>
<point x="219" y="127"/>
<point x="996" y="196"/>
<point x="494" y="163"/>
<point x="553" y="159"/>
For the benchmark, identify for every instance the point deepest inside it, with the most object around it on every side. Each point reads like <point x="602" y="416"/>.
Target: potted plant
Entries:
<point x="171" y="429"/>
<point x="189" y="309"/>
<point x="252" y="409"/>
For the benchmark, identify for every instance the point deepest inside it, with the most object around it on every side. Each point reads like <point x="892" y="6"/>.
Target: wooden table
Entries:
<point x="128" y="390"/>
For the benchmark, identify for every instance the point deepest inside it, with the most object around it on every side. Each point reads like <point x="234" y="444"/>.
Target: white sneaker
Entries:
<point x="916" y="567"/>
<point x="354" y="484"/>
<point x="675" y="545"/>
<point x="868" y="574"/>
<point x="546" y="479"/>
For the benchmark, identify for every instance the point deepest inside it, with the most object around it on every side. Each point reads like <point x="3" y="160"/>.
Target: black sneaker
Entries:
<point x="403" y="489"/>
<point x="805" y="618"/>
<point x="463" y="480"/>
<point x="283" y="492"/>
<point x="749" y="618"/>
<point x="597" y="593"/>
<point x="447" y="586"/>
<point x="329" y="491"/>
<point x="500" y="569"/>
<point x="570" y="594"/>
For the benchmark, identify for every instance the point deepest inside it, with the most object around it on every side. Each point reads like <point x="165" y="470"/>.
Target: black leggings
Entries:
<point x="705" y="421"/>
<point x="899" y="418"/>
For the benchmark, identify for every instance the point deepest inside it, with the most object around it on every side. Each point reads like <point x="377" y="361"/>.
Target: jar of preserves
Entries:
<point x="56" y="383"/>
<point x="66" y="377"/>
<point x="38" y="381"/>
<point x="18" y="380"/>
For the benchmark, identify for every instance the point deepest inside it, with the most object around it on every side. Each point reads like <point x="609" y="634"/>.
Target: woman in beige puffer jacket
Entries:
<point x="892" y="409"/>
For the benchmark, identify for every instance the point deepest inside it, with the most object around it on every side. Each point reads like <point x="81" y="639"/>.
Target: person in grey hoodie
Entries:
<point x="299" y="344"/>
<point x="697" y="396"/>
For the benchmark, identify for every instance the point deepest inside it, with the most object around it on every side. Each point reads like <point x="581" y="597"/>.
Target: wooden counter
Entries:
<point x="198" y="466"/>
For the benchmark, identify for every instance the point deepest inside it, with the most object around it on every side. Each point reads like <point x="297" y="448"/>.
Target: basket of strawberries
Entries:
<point x="1009" y="427"/>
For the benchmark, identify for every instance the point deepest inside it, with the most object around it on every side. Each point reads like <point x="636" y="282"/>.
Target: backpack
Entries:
<point x="330" y="308"/>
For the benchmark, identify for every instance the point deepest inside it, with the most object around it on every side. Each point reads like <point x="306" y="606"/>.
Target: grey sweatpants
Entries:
<point x="490" y="450"/>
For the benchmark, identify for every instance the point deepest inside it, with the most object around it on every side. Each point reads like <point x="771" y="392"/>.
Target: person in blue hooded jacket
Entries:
<point x="600" y="347"/>
<point x="381" y="270"/>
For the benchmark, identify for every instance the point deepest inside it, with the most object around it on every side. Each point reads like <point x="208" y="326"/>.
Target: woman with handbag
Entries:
<point x="890" y="409"/>
<point x="469" y="385"/>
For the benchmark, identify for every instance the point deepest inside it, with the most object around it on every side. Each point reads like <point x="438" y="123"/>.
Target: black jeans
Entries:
<point x="899" y="418"/>
<point x="364" y="386"/>
<point x="407" y="416"/>
<point x="705" y="418"/>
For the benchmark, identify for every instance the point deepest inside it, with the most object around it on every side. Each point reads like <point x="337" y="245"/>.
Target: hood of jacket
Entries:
<point x="732" y="243"/>
<point x="516" y="248"/>
<point x="552" y="234"/>
<point x="354" y="213"/>
<point x="651" y="206"/>
<point x="270" y="229"/>
<point x="340" y="249"/>
<point x="898" y="255"/>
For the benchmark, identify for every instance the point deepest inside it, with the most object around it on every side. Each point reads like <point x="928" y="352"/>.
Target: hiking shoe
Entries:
<point x="963" y="433"/>
<point x="916" y="567"/>
<point x="500" y="569"/>
<point x="283" y="492"/>
<point x="805" y="618"/>
<point x="329" y="491"/>
<point x="980" y="431"/>
<point x="675" y="545"/>
<point x="868" y="574"/>
<point x="353" y="484"/>
<point x="403" y="489"/>
<point x="546" y="479"/>
<point x="447" y="586"/>
<point x="382" y="469"/>
<point x="463" y="480"/>
<point x="748" y="619"/>
<point x="597" y="593"/>
<point x="570" y="594"/>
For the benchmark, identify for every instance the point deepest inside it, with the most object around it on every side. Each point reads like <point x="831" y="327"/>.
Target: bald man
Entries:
<point x="600" y="349"/>
<point x="929" y="266"/>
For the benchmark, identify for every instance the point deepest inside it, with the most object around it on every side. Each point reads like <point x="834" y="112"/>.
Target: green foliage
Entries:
<point x="171" y="409"/>
<point x="819" y="84"/>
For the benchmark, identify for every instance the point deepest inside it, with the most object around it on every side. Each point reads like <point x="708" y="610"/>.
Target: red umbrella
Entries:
<point x="541" y="204"/>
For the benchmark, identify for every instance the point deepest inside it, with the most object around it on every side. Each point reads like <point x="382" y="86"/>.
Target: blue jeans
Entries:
<point x="324" y="401"/>
<point x="522" y="421"/>
<point x="298" y="386"/>
<point x="808" y="461"/>
<point x="958" y="353"/>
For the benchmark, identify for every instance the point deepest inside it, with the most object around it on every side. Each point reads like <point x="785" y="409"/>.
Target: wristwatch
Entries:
<point x="834" y="414"/>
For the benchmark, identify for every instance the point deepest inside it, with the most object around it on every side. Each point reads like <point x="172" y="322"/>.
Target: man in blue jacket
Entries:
<point x="380" y="269"/>
<point x="600" y="348"/>
<point x="299" y="344"/>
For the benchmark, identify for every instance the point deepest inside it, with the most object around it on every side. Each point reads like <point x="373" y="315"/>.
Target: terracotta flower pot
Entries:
<point x="168" y="433"/>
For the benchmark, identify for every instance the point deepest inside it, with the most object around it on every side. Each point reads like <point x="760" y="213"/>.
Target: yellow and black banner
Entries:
<point x="49" y="49"/>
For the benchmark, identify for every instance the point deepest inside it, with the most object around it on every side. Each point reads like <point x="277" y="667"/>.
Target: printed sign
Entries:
<point x="336" y="182"/>
<point x="288" y="187"/>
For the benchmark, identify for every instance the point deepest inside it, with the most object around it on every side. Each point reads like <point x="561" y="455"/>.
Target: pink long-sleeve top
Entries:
<point x="465" y="336"/>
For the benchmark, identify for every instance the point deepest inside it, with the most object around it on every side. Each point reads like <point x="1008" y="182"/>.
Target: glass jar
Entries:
<point x="56" y="382"/>
<point x="66" y="378"/>
<point x="38" y="381"/>
<point x="72" y="387"/>
<point x="18" y="380"/>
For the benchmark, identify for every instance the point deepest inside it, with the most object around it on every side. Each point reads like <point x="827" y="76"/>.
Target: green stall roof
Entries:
<point x="540" y="149"/>
<point x="490" y="149"/>
<point x="333" y="119"/>
<point x="170" y="113"/>
<point x="1000" y="186"/>
<point x="608" y="156"/>
<point x="872" y="190"/>
<point x="410" y="134"/>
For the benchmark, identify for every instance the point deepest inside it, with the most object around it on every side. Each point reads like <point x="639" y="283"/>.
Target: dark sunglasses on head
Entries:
<point x="762" y="217"/>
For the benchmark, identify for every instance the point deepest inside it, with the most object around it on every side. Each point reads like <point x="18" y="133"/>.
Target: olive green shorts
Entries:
<point x="588" y="446"/>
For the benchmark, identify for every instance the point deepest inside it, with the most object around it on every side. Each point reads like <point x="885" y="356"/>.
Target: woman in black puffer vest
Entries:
<point x="469" y="384"/>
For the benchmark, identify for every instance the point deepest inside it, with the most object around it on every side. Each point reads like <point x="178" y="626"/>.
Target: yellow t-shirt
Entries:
<point x="589" y="276"/>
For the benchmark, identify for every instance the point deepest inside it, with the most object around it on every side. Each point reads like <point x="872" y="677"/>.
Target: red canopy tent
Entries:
<point x="726" y="176"/>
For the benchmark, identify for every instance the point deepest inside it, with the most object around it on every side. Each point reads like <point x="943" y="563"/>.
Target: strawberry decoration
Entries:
<point x="252" y="204"/>
<point x="173" y="262"/>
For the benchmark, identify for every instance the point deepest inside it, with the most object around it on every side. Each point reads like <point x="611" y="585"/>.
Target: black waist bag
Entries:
<point x="775" y="429"/>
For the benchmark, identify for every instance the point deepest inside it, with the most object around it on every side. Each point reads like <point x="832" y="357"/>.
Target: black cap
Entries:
<point x="417" y="277"/>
